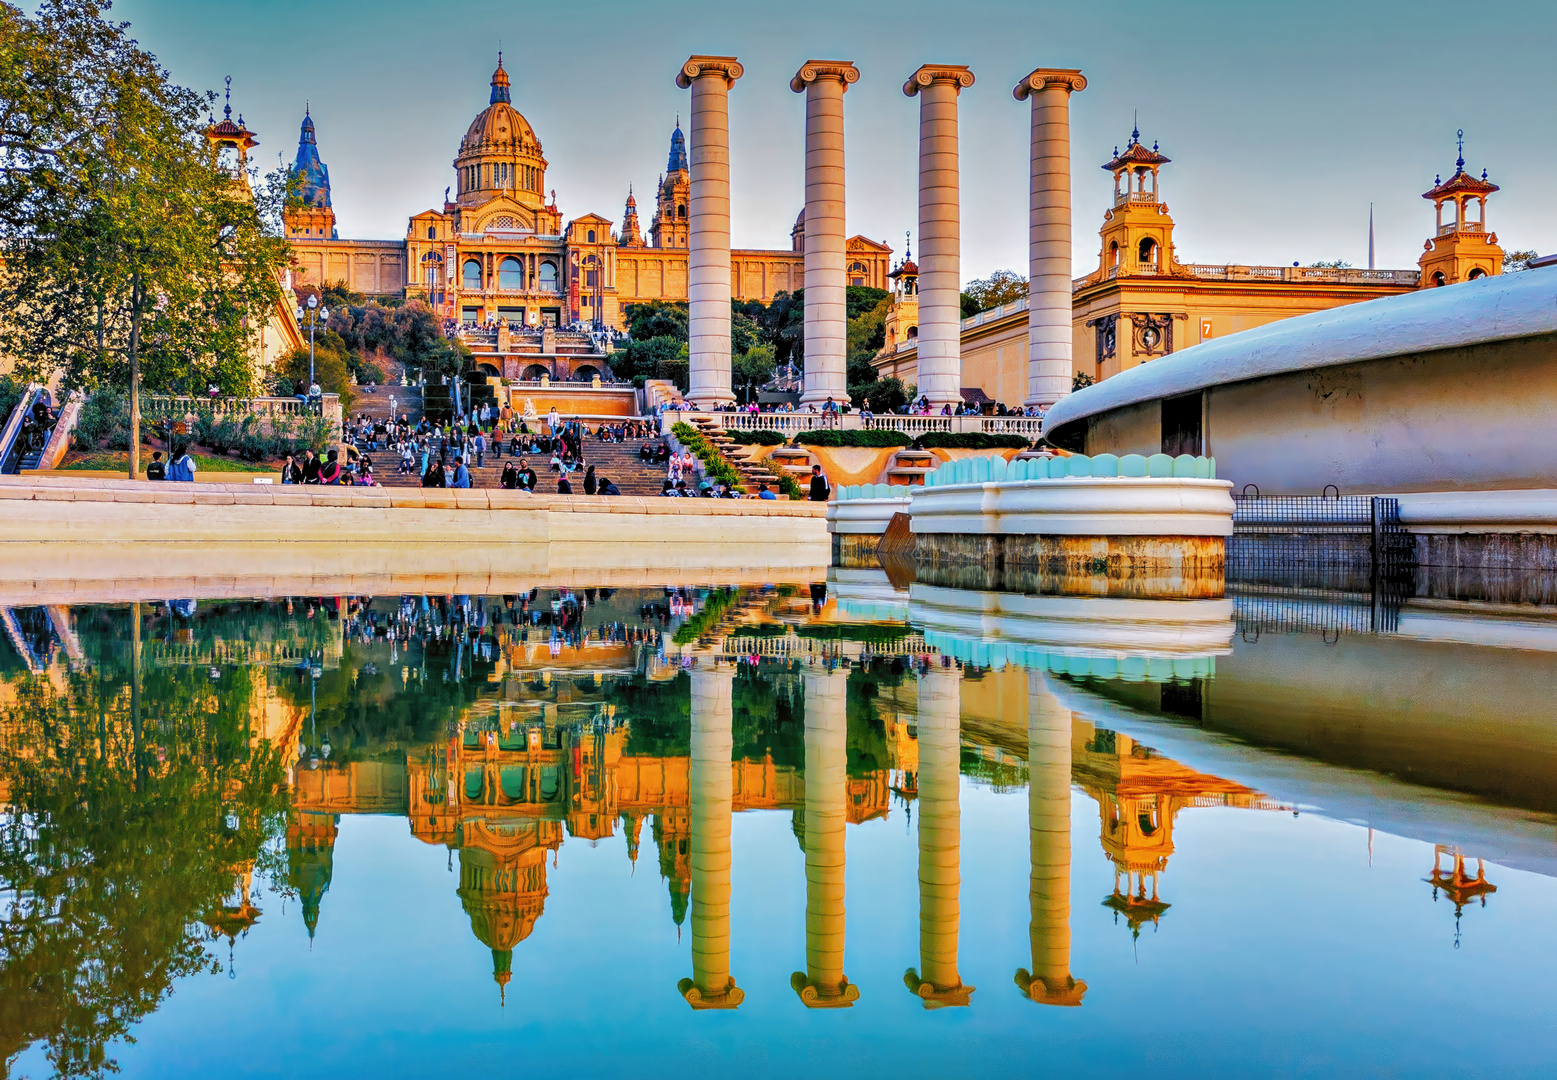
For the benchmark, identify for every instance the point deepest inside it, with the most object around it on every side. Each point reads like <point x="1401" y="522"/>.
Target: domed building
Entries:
<point x="498" y="250"/>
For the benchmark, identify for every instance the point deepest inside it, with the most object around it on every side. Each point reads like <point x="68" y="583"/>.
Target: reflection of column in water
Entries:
<point x="1048" y="823"/>
<point x="940" y="837"/>
<point x="823" y="984"/>
<point x="711" y="986"/>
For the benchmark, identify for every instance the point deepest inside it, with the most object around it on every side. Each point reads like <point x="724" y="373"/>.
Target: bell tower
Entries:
<point x="1461" y="248"/>
<point x="672" y="228"/>
<point x="902" y="319"/>
<point x="1137" y="231"/>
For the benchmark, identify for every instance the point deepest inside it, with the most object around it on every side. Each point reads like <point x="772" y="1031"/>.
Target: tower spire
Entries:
<point x="1459" y="163"/>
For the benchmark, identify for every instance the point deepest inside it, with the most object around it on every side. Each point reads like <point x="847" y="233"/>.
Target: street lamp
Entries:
<point x="314" y="314"/>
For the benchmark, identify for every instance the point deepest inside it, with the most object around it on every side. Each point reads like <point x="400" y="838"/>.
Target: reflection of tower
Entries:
<point x="311" y="860"/>
<point x="672" y="835"/>
<point x="232" y="920"/>
<point x="823" y="984"/>
<point x="1458" y="885"/>
<point x="712" y="792"/>
<point x="940" y="837"/>
<point x="1048" y="823"/>
<point x="503" y="885"/>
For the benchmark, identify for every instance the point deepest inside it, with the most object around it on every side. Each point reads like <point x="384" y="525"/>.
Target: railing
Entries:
<point x="1125" y="198"/>
<point x="911" y="425"/>
<point x="1464" y="226"/>
<point x="568" y="384"/>
<point x="161" y="405"/>
<point x="991" y="314"/>
<point x="1339" y="274"/>
<point x="788" y="423"/>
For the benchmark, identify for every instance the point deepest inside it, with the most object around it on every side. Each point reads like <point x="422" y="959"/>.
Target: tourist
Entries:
<point x="330" y="471"/>
<point x="606" y="487"/>
<point x="183" y="467"/>
<point x="667" y="490"/>
<point x="310" y="467"/>
<point x="766" y="492"/>
<point x="434" y="477"/>
<point x="590" y="485"/>
<point x="407" y="457"/>
<point x="156" y="469"/>
<point x="481" y="448"/>
<point x="563" y="487"/>
<point x="526" y="476"/>
<point x="510" y="478"/>
<point x="819" y="488"/>
<point x="553" y="421"/>
<point x="461" y="474"/>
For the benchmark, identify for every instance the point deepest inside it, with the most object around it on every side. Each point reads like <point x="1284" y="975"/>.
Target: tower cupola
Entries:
<point x="1461" y="248"/>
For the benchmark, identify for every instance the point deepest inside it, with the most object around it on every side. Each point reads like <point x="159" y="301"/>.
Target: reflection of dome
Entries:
<point x="503" y="896"/>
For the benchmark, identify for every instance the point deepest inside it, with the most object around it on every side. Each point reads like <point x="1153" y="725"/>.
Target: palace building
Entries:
<point x="499" y="247"/>
<point x="1142" y="302"/>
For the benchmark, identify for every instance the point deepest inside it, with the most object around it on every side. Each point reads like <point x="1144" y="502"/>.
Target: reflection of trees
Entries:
<point x="127" y="825"/>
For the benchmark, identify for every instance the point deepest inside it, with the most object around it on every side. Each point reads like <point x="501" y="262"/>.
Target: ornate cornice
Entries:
<point x="956" y="74"/>
<point x="698" y="66"/>
<point x="1068" y="79"/>
<point x="815" y="70"/>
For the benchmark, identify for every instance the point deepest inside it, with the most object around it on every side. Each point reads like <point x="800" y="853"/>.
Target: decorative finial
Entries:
<point x="1459" y="164"/>
<point x="1484" y="174"/>
<point x="305" y="107"/>
<point x="227" y="112"/>
<point x="1135" y="132"/>
<point x="1154" y="146"/>
<point x="908" y="245"/>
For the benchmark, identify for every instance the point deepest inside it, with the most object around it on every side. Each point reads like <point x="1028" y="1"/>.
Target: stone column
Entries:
<point x="1049" y="367"/>
<point x="940" y="839"/>
<point x="826" y="355"/>
<point x="823" y="985"/>
<point x="712" y="788"/>
<point x="708" y="248"/>
<point x="940" y="271"/>
<point x="1048" y="823"/>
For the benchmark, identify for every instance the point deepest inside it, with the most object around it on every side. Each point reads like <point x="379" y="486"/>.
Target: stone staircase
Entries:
<point x="618" y="461"/>
<point x="911" y="466"/>
<point x="754" y="474"/>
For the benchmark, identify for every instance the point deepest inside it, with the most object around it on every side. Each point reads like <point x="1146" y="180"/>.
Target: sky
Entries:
<point x="1284" y="120"/>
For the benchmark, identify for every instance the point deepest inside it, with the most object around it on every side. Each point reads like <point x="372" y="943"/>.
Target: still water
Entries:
<point x="836" y="827"/>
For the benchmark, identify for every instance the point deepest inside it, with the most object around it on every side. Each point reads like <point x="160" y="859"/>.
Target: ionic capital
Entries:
<point x="1067" y="79"/>
<point x="698" y="66"/>
<point x="816" y="70"/>
<point x="956" y="74"/>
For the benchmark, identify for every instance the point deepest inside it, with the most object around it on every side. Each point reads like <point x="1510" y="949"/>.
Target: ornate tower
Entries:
<point x="1137" y="232"/>
<point x="902" y="321"/>
<point x="231" y="141"/>
<point x="311" y="217"/>
<point x="671" y="228"/>
<point x="1461" y="248"/>
<point x="630" y="236"/>
<point x="500" y="158"/>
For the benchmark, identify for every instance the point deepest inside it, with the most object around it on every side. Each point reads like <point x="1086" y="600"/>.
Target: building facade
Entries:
<point x="1142" y="303"/>
<point x="499" y="247"/>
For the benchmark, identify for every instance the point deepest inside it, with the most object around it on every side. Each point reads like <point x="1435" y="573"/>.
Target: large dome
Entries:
<point x="499" y="126"/>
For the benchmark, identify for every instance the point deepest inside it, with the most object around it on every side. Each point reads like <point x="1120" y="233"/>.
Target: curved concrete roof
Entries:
<point x="1489" y="309"/>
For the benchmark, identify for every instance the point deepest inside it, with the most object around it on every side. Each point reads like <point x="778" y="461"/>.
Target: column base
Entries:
<point x="938" y="997"/>
<point x="1067" y="994"/>
<point x="816" y="996"/>
<point x="728" y="998"/>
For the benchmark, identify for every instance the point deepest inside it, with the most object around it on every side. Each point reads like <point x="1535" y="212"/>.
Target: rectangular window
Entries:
<point x="1181" y="432"/>
<point x="589" y="277"/>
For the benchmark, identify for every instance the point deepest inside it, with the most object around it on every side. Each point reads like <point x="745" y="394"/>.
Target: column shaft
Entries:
<point x="823" y="983"/>
<point x="708" y="247"/>
<point x="826" y="348"/>
<point x="940" y="267"/>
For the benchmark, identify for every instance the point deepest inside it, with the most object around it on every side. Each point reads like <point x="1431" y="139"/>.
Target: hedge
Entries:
<point x="714" y="462"/>
<point x="969" y="440"/>
<point x="867" y="437"/>
<point x="756" y="438"/>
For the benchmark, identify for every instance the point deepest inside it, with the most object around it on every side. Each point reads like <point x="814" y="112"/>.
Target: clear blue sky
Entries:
<point x="1284" y="120"/>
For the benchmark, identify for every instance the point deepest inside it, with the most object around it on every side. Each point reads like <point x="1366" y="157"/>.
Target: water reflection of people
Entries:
<point x="823" y="985"/>
<point x="1049" y="982"/>
<point x="712" y="797"/>
<point x="940" y="836"/>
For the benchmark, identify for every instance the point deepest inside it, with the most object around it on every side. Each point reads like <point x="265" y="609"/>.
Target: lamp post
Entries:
<point x="314" y="314"/>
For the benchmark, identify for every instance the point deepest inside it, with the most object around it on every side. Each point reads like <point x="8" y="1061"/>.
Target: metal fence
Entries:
<point x="1296" y="532"/>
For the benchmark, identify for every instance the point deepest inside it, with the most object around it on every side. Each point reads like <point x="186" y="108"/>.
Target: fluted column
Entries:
<point x="708" y="248"/>
<point x="940" y="839"/>
<point x="823" y="985"/>
<point x="1049" y="358"/>
<point x="1048" y="823"/>
<point x="712" y="797"/>
<point x="940" y="230"/>
<point x="826" y="355"/>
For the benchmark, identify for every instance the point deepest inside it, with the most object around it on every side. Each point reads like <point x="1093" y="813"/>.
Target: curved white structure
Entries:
<point x="1081" y="506"/>
<point x="863" y="516"/>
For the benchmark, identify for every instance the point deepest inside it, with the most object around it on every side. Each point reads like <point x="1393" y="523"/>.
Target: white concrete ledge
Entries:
<point x="1529" y="511"/>
<point x="863" y="516"/>
<point x="1106" y="506"/>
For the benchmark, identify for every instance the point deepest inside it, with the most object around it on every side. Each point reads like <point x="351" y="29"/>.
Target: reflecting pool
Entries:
<point x="834" y="827"/>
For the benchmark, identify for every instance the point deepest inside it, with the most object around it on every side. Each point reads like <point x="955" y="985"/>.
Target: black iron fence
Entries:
<point x="1282" y="534"/>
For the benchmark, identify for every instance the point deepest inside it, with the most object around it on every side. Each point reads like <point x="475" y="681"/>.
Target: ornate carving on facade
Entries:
<point x="1153" y="333"/>
<point x="1106" y="333"/>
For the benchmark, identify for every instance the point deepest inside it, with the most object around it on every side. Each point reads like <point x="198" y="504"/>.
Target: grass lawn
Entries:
<point x="106" y="460"/>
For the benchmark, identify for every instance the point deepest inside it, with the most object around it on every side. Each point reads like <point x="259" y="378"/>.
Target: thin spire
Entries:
<point x="1459" y="164"/>
<point x="227" y="112"/>
<point x="1370" y="267"/>
<point x="1135" y="130"/>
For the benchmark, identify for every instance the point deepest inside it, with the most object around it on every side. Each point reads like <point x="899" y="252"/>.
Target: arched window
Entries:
<point x="1113" y="253"/>
<point x="1439" y="279"/>
<point x="472" y="274"/>
<point x="432" y="232"/>
<point x="1147" y="256"/>
<point x="548" y="277"/>
<point x="1476" y="273"/>
<point x="591" y="236"/>
<point x="510" y="275"/>
<point x="681" y="211"/>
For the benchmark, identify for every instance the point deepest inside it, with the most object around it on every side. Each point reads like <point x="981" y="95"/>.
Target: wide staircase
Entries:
<point x="617" y="461"/>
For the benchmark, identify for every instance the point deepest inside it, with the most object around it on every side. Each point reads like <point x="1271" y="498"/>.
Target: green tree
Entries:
<point x="657" y="318"/>
<point x="753" y="368"/>
<point x="1001" y="287"/>
<point x="1514" y="261"/>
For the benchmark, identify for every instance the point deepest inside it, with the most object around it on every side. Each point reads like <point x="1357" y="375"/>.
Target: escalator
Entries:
<point x="27" y="431"/>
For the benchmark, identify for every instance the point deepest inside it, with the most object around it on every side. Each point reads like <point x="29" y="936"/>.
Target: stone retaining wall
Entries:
<point x="123" y="510"/>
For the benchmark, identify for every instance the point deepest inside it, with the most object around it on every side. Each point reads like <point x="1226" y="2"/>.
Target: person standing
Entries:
<point x="481" y="448"/>
<point x="819" y="487"/>
<point x="590" y="486"/>
<point x="461" y="474"/>
<point x="310" y="467"/>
